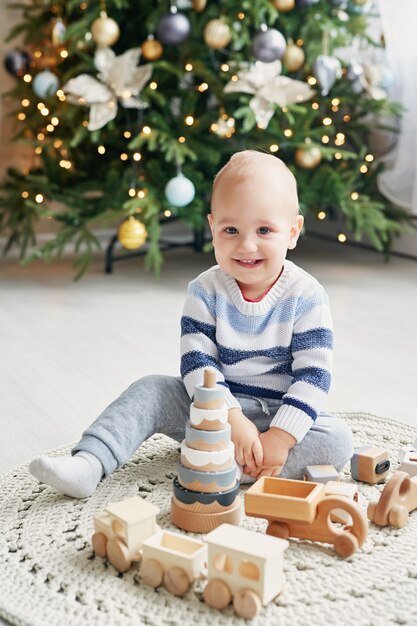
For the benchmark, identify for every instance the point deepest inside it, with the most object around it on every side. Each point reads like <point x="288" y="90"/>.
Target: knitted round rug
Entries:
<point x="49" y="575"/>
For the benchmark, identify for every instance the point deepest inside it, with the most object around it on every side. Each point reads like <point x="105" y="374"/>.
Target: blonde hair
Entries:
<point x="250" y="164"/>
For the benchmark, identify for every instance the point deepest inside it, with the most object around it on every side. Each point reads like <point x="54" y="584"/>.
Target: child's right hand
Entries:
<point x="245" y="436"/>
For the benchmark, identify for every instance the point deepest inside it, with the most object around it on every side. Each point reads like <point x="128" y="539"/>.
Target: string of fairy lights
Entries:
<point x="48" y="121"/>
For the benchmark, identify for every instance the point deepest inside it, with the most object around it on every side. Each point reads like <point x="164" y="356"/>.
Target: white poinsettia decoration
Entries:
<point x="264" y="80"/>
<point x="120" y="80"/>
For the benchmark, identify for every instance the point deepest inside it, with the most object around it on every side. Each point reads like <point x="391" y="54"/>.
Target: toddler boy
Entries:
<point x="260" y="321"/>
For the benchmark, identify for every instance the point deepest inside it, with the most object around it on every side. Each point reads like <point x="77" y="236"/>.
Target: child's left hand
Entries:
<point x="276" y="444"/>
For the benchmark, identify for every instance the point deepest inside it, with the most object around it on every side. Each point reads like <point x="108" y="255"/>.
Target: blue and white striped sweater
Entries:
<point x="280" y="347"/>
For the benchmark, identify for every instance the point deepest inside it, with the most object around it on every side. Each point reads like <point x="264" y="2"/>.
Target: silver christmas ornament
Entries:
<point x="263" y="80"/>
<point x="341" y="4"/>
<point x="327" y="70"/>
<point x="120" y="81"/>
<point x="354" y="71"/>
<point x="269" y="45"/>
<point x="173" y="28"/>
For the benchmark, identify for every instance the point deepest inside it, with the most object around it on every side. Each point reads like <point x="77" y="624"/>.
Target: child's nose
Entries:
<point x="247" y="244"/>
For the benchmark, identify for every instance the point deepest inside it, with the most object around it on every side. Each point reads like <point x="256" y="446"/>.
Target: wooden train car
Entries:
<point x="244" y="567"/>
<point x="173" y="560"/>
<point x="121" y="530"/>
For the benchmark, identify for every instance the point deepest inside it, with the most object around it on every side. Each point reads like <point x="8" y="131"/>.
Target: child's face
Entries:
<point x="253" y="225"/>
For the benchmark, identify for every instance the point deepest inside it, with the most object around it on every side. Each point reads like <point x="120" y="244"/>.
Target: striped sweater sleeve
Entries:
<point x="198" y="341"/>
<point x="312" y="353"/>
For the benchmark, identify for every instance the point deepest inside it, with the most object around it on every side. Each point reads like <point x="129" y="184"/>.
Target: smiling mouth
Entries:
<point x="248" y="262"/>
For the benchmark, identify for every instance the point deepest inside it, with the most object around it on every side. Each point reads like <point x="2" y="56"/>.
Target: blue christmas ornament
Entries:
<point x="45" y="84"/>
<point x="17" y="62"/>
<point x="180" y="191"/>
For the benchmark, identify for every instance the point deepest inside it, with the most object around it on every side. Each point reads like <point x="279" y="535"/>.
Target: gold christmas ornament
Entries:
<point x="132" y="234"/>
<point x="308" y="158"/>
<point x="294" y="57"/>
<point x="284" y="6"/>
<point x="152" y="49"/>
<point x="199" y="5"/>
<point x="104" y="30"/>
<point x="217" y="34"/>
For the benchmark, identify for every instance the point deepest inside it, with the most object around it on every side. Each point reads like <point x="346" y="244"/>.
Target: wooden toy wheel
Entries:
<point x="247" y="603"/>
<point x="118" y="554"/>
<point x="371" y="510"/>
<point x="398" y="516"/>
<point x="278" y="529"/>
<point x="176" y="581"/>
<point x="346" y="544"/>
<point x="217" y="594"/>
<point x="151" y="573"/>
<point x="99" y="541"/>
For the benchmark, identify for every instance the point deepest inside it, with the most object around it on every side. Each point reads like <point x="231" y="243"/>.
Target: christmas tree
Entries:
<point x="131" y="108"/>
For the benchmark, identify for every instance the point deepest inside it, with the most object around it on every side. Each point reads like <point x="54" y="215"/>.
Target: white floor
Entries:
<point x="67" y="349"/>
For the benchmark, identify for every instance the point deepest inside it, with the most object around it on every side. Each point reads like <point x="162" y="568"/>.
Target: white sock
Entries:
<point x="76" y="476"/>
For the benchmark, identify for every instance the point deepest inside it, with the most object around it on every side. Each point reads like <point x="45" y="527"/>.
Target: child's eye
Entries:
<point x="230" y="230"/>
<point x="264" y="230"/>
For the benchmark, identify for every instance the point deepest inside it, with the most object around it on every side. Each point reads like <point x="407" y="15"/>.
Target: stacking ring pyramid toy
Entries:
<point x="206" y="489"/>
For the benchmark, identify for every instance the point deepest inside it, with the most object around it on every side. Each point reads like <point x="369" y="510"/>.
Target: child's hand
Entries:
<point x="275" y="444"/>
<point x="245" y="436"/>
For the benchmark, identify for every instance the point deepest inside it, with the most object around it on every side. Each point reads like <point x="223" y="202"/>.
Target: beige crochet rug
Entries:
<point x="49" y="576"/>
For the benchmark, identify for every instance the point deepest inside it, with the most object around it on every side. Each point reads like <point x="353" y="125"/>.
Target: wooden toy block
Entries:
<point x="370" y="464"/>
<point x="172" y="560"/>
<point x="121" y="530"/>
<point x="347" y="490"/>
<point x="397" y="500"/>
<point x="244" y="567"/>
<point x="408" y="460"/>
<point x="209" y="395"/>
<point x="409" y="465"/>
<point x="321" y="473"/>
<point x="208" y="461"/>
<point x="208" y="482"/>
<point x="207" y="439"/>
<point x="296" y="508"/>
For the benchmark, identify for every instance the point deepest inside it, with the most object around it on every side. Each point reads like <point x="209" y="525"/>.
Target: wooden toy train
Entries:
<point x="241" y="566"/>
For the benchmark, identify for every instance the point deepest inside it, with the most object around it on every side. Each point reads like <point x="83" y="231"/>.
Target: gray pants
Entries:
<point x="160" y="404"/>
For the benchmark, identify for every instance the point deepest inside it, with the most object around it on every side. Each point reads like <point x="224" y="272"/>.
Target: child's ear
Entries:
<point x="295" y="232"/>
<point x="211" y="223"/>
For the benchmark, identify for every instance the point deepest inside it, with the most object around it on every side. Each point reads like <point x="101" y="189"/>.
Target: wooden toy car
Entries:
<point x="397" y="500"/>
<point x="172" y="560"/>
<point x="298" y="508"/>
<point x="370" y="464"/>
<point x="244" y="566"/>
<point x="121" y="530"/>
<point x="321" y="473"/>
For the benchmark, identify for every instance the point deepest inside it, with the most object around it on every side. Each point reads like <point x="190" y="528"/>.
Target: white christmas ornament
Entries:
<point x="327" y="70"/>
<point x="269" y="88"/>
<point x="45" y="84"/>
<point x="180" y="191"/>
<point x="120" y="80"/>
